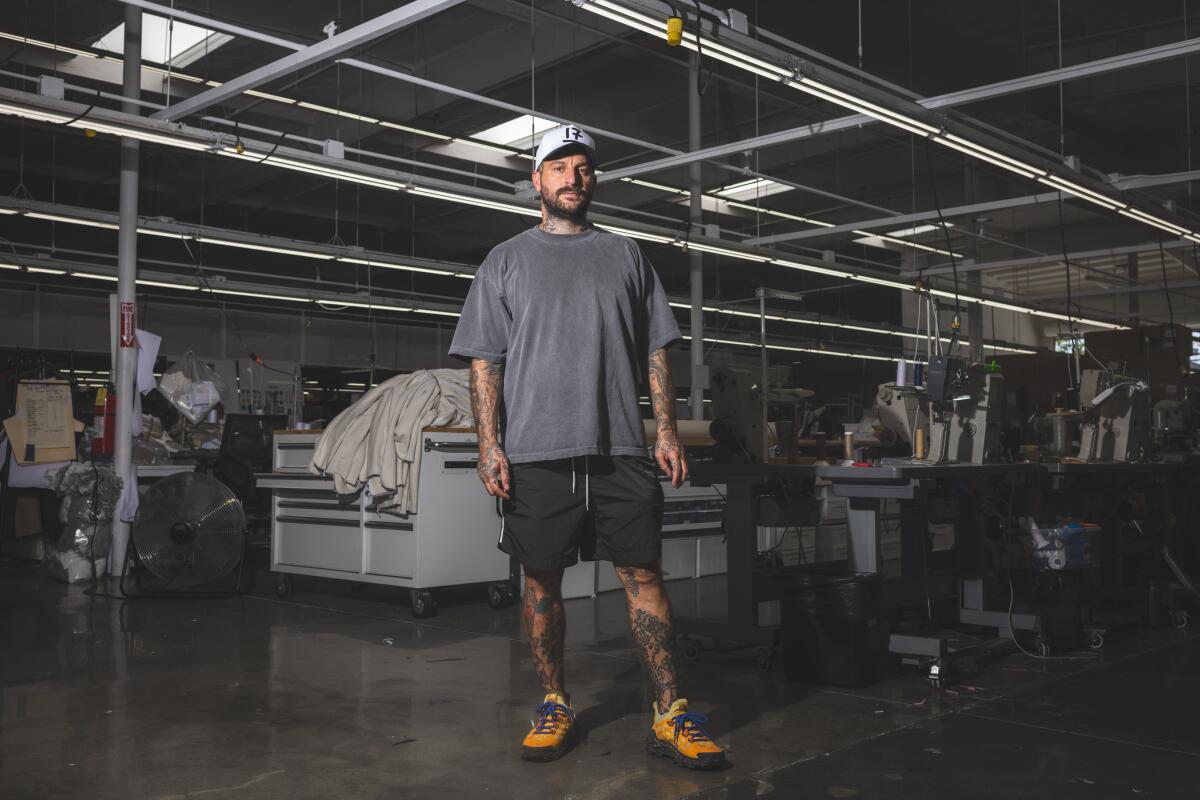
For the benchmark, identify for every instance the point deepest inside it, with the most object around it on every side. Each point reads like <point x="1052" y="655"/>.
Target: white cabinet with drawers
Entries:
<point x="451" y="540"/>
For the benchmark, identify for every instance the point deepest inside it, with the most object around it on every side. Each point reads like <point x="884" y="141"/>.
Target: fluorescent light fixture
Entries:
<point x="264" y="247"/>
<point x="475" y="201"/>
<point x="918" y="230"/>
<point x="792" y="349"/>
<point x="335" y="112"/>
<point x="164" y="234"/>
<point x="163" y="285"/>
<point x="313" y="169"/>
<point x="94" y="277"/>
<point x="1150" y="219"/>
<point x="658" y="186"/>
<point x="33" y="114"/>
<point x="172" y="73"/>
<point x="989" y="155"/>
<point x="47" y="45"/>
<point x="407" y="267"/>
<point x="833" y="273"/>
<point x="780" y="214"/>
<point x="632" y="234"/>
<point x="287" y="101"/>
<point x="883" y="282"/>
<point x="91" y="223"/>
<point x="881" y="240"/>
<point x="420" y="132"/>
<point x="720" y="251"/>
<point x="518" y="133"/>
<point x="755" y="187"/>
<point x="100" y="127"/>
<point x="139" y="134"/>
<point x="260" y="295"/>
<point x="46" y="270"/>
<point x="1082" y="192"/>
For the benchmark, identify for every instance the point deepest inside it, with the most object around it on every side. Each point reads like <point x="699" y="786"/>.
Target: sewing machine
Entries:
<point x="903" y="410"/>
<point x="967" y="404"/>
<point x="1116" y="425"/>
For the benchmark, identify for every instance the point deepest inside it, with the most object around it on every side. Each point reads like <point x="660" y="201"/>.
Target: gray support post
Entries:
<point x="699" y="377"/>
<point x="974" y="279"/>
<point x="125" y="370"/>
<point x="1135" y="302"/>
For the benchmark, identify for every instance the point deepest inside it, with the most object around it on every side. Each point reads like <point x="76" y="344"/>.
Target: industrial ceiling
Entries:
<point x="443" y="107"/>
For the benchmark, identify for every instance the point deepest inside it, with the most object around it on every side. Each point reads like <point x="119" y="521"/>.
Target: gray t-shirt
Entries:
<point x="574" y="318"/>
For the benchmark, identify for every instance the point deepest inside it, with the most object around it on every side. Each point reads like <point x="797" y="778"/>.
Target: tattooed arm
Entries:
<point x="487" y="392"/>
<point x="667" y="451"/>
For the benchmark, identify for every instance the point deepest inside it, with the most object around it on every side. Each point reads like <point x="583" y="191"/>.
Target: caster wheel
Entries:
<point x="283" y="586"/>
<point x="1096" y="641"/>
<point x="765" y="660"/>
<point x="422" y="603"/>
<point x="1179" y="619"/>
<point x="510" y="593"/>
<point x="496" y="596"/>
<point x="1042" y="648"/>
<point x="692" y="649"/>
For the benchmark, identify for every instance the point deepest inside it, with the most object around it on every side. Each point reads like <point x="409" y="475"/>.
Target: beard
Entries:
<point x="557" y="207"/>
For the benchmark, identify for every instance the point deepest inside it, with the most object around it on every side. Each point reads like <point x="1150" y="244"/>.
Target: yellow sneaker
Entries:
<point x="553" y="731"/>
<point x="677" y="734"/>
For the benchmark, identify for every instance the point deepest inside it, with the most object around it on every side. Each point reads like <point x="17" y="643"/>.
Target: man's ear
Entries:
<point x="536" y="177"/>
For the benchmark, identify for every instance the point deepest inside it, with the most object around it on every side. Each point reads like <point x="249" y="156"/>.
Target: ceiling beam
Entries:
<point x="951" y="99"/>
<point x="902" y="219"/>
<point x="1050" y="258"/>
<point x="357" y="36"/>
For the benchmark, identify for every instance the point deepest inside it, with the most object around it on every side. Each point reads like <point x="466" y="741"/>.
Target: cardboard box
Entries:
<point x="43" y="428"/>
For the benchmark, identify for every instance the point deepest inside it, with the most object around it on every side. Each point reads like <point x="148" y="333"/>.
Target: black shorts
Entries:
<point x="606" y="508"/>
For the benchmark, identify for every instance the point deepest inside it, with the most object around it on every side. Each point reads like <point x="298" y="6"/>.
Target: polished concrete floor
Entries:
<point x="340" y="694"/>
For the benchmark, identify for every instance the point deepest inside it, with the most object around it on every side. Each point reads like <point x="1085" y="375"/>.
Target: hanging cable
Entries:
<point x="1162" y="259"/>
<point x="701" y="80"/>
<point x="956" y="324"/>
<point x="1072" y="335"/>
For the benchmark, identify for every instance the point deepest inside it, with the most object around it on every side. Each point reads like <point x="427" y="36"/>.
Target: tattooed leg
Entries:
<point x="545" y="625"/>
<point x="650" y="622"/>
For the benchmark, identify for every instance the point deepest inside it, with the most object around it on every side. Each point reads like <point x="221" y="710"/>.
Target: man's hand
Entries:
<point x="493" y="471"/>
<point x="487" y="388"/>
<point x="670" y="457"/>
<point x="667" y="451"/>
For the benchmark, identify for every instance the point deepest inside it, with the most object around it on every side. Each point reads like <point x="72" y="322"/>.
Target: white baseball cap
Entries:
<point x="562" y="137"/>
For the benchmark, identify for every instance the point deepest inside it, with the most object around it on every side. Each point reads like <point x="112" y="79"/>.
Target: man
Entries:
<point x="563" y="325"/>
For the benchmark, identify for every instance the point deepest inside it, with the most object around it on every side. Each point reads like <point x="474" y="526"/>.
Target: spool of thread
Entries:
<point x="919" y="443"/>
<point x="918" y="374"/>
<point x="848" y="445"/>
<point x="902" y="373"/>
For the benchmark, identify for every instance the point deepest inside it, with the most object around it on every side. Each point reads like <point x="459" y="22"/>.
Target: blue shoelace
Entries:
<point x="690" y="726"/>
<point x="548" y="716"/>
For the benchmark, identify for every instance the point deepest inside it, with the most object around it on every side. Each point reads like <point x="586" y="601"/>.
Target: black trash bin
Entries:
<point x="831" y="630"/>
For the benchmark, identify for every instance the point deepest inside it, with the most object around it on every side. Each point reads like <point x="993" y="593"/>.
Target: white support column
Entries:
<point x="699" y="376"/>
<point x="124" y="371"/>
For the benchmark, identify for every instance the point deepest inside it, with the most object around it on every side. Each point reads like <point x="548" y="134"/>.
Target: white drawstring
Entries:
<point x="587" y="482"/>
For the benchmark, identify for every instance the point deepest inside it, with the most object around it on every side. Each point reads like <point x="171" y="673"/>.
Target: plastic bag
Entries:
<point x="192" y="386"/>
<point x="89" y="497"/>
